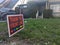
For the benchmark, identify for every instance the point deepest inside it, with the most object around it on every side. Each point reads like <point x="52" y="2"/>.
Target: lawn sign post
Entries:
<point x="15" y="24"/>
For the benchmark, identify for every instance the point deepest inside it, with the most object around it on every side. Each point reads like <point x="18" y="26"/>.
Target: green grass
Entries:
<point x="46" y="30"/>
<point x="3" y="26"/>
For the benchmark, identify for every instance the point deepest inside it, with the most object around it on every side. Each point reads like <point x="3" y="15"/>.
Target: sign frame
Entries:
<point x="9" y="27"/>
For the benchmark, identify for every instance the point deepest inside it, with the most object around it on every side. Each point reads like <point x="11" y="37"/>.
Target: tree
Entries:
<point x="36" y="6"/>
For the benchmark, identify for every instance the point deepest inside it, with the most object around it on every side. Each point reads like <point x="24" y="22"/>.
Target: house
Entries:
<point x="55" y="6"/>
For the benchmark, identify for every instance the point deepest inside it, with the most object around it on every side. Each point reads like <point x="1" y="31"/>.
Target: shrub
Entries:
<point x="47" y="13"/>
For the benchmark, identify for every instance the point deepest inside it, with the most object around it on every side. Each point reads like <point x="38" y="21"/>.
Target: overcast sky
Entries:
<point x="1" y="1"/>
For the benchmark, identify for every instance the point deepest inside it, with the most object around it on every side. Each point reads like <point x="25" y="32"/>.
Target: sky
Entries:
<point x="1" y="1"/>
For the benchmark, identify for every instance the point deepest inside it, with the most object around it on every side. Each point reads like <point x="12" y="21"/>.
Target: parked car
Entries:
<point x="4" y="14"/>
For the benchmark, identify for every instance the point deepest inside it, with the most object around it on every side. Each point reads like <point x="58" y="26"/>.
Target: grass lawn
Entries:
<point x="39" y="30"/>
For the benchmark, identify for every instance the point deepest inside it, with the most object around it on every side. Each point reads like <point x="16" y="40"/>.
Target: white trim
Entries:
<point x="9" y="27"/>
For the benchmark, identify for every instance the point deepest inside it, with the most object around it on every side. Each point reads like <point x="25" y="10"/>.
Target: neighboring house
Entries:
<point x="55" y="6"/>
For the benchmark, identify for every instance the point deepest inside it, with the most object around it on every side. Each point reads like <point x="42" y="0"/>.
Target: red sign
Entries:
<point x="15" y="24"/>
